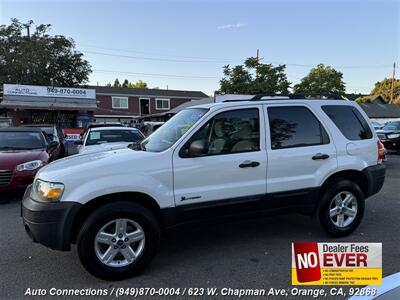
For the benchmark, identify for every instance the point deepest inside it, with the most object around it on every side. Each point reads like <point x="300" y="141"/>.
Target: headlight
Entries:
<point x="30" y="165"/>
<point x="393" y="136"/>
<point x="44" y="191"/>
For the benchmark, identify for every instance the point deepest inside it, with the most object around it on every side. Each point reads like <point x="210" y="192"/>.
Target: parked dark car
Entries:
<point x="53" y="133"/>
<point x="23" y="151"/>
<point x="390" y="135"/>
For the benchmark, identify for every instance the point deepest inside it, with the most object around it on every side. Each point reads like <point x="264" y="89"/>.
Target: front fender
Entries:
<point x="105" y="185"/>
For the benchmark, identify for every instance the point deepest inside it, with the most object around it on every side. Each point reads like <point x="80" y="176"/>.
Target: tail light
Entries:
<point x="381" y="152"/>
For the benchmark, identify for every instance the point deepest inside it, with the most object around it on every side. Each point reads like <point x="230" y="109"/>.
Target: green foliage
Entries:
<point x="321" y="81"/>
<point x="39" y="59"/>
<point x="383" y="89"/>
<point x="126" y="84"/>
<point x="139" y="85"/>
<point x="242" y="80"/>
<point x="116" y="83"/>
<point x="363" y="100"/>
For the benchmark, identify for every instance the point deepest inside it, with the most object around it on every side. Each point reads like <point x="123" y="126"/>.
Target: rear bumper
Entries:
<point x="375" y="177"/>
<point x="49" y="224"/>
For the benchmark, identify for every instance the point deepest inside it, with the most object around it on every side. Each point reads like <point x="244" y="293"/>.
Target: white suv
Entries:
<point x="316" y="157"/>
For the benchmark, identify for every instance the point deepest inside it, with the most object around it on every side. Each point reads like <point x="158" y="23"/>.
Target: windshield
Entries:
<point x="97" y="137"/>
<point x="392" y="126"/>
<point x="10" y="140"/>
<point x="171" y="131"/>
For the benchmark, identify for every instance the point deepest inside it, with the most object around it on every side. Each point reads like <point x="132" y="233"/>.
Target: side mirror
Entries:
<point x="78" y="142"/>
<point x="198" y="148"/>
<point x="52" y="145"/>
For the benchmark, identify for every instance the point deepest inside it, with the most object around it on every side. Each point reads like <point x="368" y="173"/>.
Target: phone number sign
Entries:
<point x="48" y="91"/>
<point x="336" y="263"/>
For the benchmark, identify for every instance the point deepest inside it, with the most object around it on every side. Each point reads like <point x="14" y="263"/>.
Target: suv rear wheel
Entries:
<point x="342" y="208"/>
<point x="118" y="240"/>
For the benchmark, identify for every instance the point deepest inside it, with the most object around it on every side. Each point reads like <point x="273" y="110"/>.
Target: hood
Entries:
<point x="92" y="163"/>
<point x="387" y="131"/>
<point x="104" y="147"/>
<point x="9" y="159"/>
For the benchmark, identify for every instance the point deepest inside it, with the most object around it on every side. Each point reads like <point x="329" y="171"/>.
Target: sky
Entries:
<point x="185" y="44"/>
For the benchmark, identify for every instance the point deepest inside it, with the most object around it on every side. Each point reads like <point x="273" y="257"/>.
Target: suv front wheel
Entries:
<point x="118" y="240"/>
<point x="342" y="208"/>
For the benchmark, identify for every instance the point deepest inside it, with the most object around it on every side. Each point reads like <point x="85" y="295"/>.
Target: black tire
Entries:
<point x="105" y="214"/>
<point x="323" y="212"/>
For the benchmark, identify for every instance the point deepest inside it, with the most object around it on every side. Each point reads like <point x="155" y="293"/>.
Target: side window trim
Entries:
<point x="324" y="140"/>
<point x="262" y="130"/>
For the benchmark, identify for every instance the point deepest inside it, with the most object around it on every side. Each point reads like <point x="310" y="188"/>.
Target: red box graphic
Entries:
<point x="307" y="262"/>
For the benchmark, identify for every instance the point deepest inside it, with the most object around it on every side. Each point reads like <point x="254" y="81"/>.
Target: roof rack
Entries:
<point x="264" y="97"/>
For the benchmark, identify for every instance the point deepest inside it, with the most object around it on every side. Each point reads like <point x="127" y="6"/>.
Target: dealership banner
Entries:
<point x="336" y="263"/>
<point x="48" y="91"/>
<point x="72" y="134"/>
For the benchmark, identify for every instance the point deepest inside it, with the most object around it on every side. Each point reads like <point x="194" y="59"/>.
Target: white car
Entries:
<point x="108" y="138"/>
<point x="253" y="157"/>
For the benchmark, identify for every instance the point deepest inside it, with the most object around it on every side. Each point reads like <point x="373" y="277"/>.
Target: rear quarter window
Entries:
<point x="349" y="121"/>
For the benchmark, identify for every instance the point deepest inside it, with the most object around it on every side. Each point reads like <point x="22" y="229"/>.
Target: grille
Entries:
<point x="382" y="136"/>
<point x="5" y="177"/>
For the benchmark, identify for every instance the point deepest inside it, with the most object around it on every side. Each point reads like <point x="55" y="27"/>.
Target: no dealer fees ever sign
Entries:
<point x="336" y="263"/>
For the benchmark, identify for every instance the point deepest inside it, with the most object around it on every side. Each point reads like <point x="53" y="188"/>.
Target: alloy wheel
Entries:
<point x="343" y="209"/>
<point x="119" y="243"/>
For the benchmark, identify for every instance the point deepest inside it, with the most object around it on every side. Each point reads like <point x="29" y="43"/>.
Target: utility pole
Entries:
<point x="28" y="27"/>
<point x="392" y="87"/>
<point x="258" y="61"/>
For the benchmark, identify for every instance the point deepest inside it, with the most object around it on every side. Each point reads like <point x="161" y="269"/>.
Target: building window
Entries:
<point x="162" y="104"/>
<point x="120" y="102"/>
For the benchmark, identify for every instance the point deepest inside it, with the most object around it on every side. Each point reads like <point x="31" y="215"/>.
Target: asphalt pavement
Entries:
<point x="242" y="254"/>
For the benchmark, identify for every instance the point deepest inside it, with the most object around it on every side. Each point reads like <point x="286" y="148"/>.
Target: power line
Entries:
<point x="156" y="54"/>
<point x="157" y="74"/>
<point x="153" y="58"/>
<point x="193" y="59"/>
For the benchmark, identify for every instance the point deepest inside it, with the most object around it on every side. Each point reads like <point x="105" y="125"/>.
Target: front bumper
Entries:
<point x="49" y="224"/>
<point x="391" y="144"/>
<point x="375" y="177"/>
<point x="19" y="180"/>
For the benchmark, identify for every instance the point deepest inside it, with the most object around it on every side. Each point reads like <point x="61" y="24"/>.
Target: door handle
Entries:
<point x="249" y="164"/>
<point x="320" y="156"/>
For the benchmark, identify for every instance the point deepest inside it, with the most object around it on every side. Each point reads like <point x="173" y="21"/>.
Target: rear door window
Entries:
<point x="349" y="121"/>
<point x="295" y="126"/>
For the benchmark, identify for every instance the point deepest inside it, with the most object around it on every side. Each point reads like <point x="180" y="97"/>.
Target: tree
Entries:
<point x="126" y="84"/>
<point x="383" y="89"/>
<point x="242" y="80"/>
<point x="321" y="81"/>
<point x="139" y="85"/>
<point x="364" y="100"/>
<point x="39" y="58"/>
<point x="116" y="83"/>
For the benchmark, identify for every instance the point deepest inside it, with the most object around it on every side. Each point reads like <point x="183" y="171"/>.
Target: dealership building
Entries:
<point x="74" y="107"/>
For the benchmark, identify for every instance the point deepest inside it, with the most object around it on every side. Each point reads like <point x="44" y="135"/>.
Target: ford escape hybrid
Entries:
<point x="315" y="157"/>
